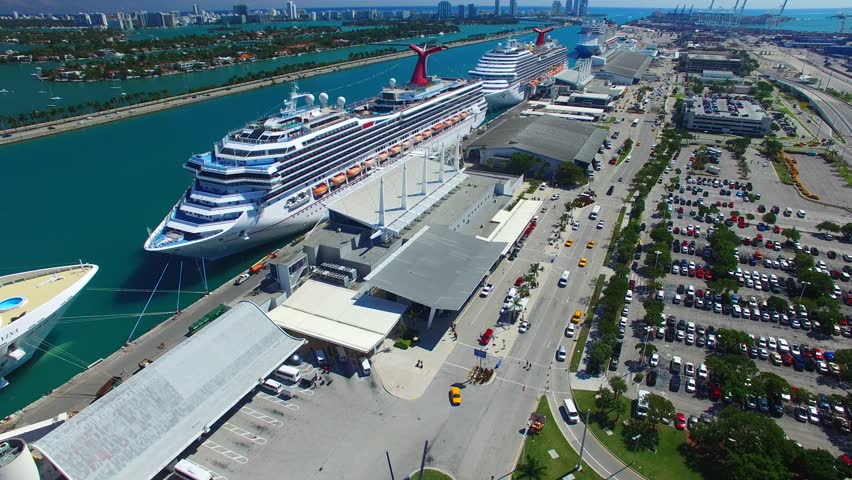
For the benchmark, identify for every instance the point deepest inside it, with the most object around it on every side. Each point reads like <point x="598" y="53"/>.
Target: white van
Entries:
<point x="365" y="366"/>
<point x="675" y="365"/>
<point x="341" y="354"/>
<point x="563" y="280"/>
<point x="187" y="470"/>
<point x="571" y="411"/>
<point x="800" y="214"/>
<point x="511" y="295"/>
<point x="272" y="386"/>
<point x="288" y="373"/>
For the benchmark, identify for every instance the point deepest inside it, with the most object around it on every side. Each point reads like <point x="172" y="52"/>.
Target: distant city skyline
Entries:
<point x="73" y="6"/>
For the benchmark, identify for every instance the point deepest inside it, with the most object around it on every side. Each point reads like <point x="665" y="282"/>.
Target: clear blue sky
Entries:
<point x="68" y="6"/>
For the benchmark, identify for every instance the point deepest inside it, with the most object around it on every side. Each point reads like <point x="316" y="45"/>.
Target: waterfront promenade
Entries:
<point x="98" y="118"/>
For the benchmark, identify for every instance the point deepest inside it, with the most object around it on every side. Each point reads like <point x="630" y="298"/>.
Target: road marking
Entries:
<point x="279" y="401"/>
<point x="244" y="433"/>
<point x="230" y="454"/>
<point x="262" y="417"/>
<point x="216" y="476"/>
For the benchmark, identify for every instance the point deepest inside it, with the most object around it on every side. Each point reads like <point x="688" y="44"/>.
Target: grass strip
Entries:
<point x="624" y="155"/>
<point x="537" y="446"/>
<point x="583" y="335"/>
<point x="782" y="172"/>
<point x="667" y="463"/>
<point x="615" y="232"/>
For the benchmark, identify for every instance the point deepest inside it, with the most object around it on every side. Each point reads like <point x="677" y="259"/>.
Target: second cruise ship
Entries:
<point x="509" y="72"/>
<point x="271" y="178"/>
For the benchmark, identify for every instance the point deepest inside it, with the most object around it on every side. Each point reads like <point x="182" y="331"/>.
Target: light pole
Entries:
<point x="635" y="447"/>
<point x="804" y="285"/>
<point x="657" y="257"/>
<point x="579" y="467"/>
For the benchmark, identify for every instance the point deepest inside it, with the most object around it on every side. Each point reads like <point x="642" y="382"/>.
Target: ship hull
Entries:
<point x="587" y="50"/>
<point x="275" y="221"/>
<point x="511" y="96"/>
<point x="28" y="333"/>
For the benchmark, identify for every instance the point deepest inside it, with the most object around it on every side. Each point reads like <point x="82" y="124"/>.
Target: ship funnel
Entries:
<point x="323" y="98"/>
<point x="419" y="76"/>
<point x="341" y="101"/>
<point x="392" y="82"/>
<point x="310" y="99"/>
<point x="541" y="32"/>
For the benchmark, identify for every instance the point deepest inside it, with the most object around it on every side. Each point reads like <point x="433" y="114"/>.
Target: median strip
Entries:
<point x="583" y="334"/>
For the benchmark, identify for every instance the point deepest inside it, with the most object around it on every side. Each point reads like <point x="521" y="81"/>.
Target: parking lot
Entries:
<point x="760" y="280"/>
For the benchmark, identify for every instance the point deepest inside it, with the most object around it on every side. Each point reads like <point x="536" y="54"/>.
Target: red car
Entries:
<point x="776" y="229"/>
<point x="486" y="337"/>
<point x="786" y="359"/>
<point x="708" y="275"/>
<point x="699" y="293"/>
<point x="632" y="284"/>
<point x="680" y="422"/>
<point x="699" y="273"/>
<point x="730" y="204"/>
<point x="676" y="230"/>
<point x="769" y="244"/>
<point x="746" y="241"/>
<point x="759" y="237"/>
<point x="519" y="281"/>
<point x="612" y="161"/>
<point x="818" y="354"/>
<point x="715" y="393"/>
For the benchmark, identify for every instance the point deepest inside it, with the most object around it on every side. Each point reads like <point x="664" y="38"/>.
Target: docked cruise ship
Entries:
<point x="272" y="178"/>
<point x="596" y="36"/>
<point x="30" y="303"/>
<point x="511" y="71"/>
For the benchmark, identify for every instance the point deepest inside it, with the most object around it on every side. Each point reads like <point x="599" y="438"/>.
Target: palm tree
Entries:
<point x="532" y="469"/>
<point x="535" y="268"/>
<point x="619" y="386"/>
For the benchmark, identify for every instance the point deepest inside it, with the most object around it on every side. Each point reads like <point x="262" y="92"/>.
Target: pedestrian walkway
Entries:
<point x="398" y="369"/>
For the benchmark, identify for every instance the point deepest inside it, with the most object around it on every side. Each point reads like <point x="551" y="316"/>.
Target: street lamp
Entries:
<point x="804" y="285"/>
<point x="635" y="447"/>
<point x="657" y="257"/>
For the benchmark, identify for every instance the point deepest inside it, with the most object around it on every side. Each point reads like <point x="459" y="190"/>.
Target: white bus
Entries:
<point x="595" y="211"/>
<point x="187" y="470"/>
<point x="635" y="122"/>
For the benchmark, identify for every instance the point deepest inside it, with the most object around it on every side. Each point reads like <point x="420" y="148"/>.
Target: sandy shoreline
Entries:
<point x="84" y="121"/>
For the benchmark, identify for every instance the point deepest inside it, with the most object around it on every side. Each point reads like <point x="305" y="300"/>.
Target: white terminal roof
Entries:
<point x="512" y="223"/>
<point x="338" y="315"/>
<point x="137" y="429"/>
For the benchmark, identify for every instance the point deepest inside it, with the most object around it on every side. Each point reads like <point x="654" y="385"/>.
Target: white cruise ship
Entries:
<point x="30" y="303"/>
<point x="510" y="72"/>
<point x="271" y="179"/>
<point x="597" y="36"/>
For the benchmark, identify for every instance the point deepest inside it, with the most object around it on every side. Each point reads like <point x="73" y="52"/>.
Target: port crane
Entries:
<point x="841" y="21"/>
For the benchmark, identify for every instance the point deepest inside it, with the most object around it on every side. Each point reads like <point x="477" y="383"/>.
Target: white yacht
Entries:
<point x="30" y="303"/>
<point x="271" y="179"/>
<point x="510" y="72"/>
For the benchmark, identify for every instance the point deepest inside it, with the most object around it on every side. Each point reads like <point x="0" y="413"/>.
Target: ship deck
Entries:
<point x="36" y="289"/>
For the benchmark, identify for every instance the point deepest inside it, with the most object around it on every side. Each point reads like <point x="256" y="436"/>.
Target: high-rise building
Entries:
<point x="582" y="7"/>
<point x="513" y="8"/>
<point x="569" y="7"/>
<point x="195" y="9"/>
<point x="292" y="12"/>
<point x="497" y="7"/>
<point x="556" y="8"/>
<point x="461" y="11"/>
<point x="313" y="16"/>
<point x="82" y="20"/>
<point x="471" y="10"/>
<point x="445" y="10"/>
<point x="15" y="14"/>
<point x="241" y="9"/>
<point x="169" y="20"/>
<point x="99" y="20"/>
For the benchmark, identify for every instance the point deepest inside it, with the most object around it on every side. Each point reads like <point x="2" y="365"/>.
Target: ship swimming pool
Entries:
<point x="10" y="303"/>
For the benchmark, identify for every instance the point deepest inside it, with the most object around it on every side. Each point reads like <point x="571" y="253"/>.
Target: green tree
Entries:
<point x="521" y="163"/>
<point x="570" y="174"/>
<point x="742" y="445"/>
<point x="650" y="436"/>
<point x="827" y="226"/>
<point x="846" y="229"/>
<point x="771" y="384"/>
<point x="769" y="218"/>
<point x="605" y="399"/>
<point x="599" y="355"/>
<point x="792" y="234"/>
<point x="659" y="408"/>
<point x="531" y="469"/>
<point x="733" y="370"/>
<point x="816" y="464"/>
<point x="619" y="387"/>
<point x="653" y="311"/>
<point x="772" y="148"/>
<point x="777" y="303"/>
<point x="801" y="395"/>
<point x="648" y="347"/>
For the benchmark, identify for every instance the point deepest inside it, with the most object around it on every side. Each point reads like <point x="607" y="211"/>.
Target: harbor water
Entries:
<point x="90" y="195"/>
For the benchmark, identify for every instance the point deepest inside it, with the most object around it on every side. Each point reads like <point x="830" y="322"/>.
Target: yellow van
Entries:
<point x="576" y="317"/>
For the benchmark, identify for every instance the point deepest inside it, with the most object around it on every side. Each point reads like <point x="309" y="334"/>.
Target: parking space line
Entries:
<point x="230" y="454"/>
<point x="262" y="417"/>
<point x="279" y="401"/>
<point x="244" y="433"/>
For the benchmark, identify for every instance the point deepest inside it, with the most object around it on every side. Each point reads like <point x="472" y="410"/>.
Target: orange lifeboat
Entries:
<point x="369" y="164"/>
<point x="455" y="119"/>
<point x="383" y="156"/>
<point x="353" y="172"/>
<point x="448" y="122"/>
<point x="464" y="114"/>
<point x="418" y="138"/>
<point x="338" y="179"/>
<point x="427" y="133"/>
<point x="395" y="150"/>
<point x="438" y="126"/>
<point x="406" y="144"/>
<point x="320" y="190"/>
